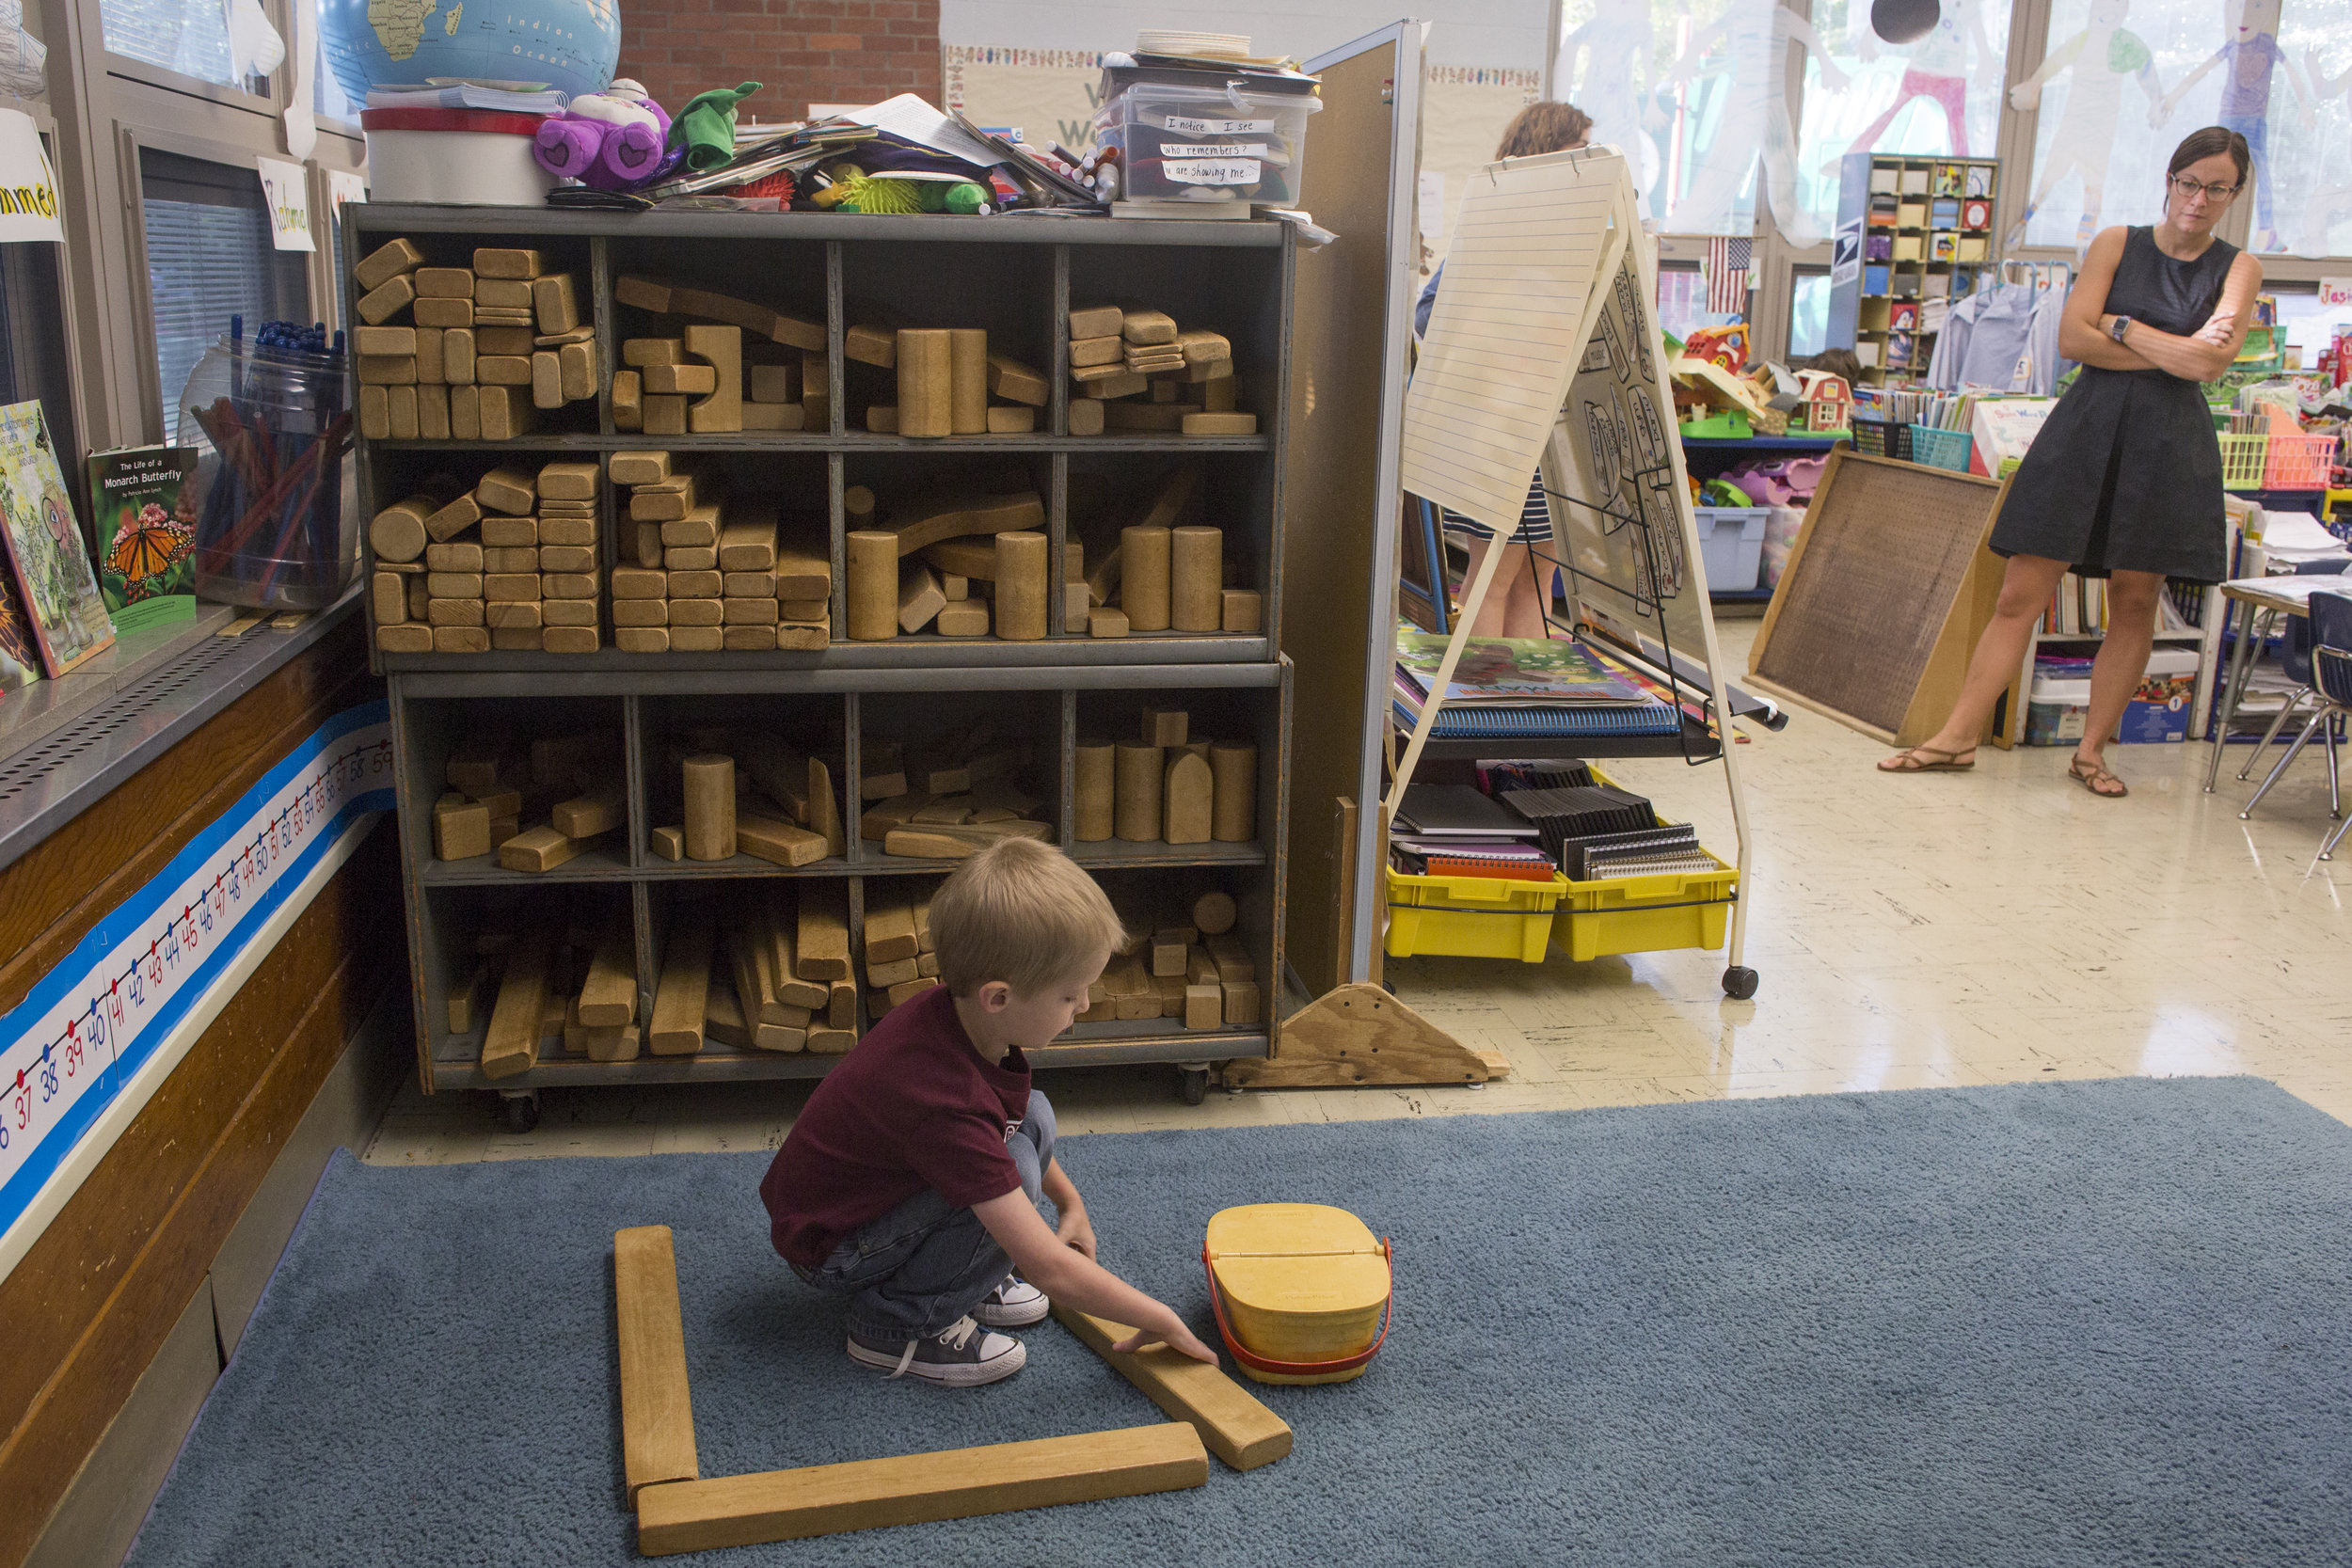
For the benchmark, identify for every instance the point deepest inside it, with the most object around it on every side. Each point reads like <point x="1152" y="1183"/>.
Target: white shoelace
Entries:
<point x="955" y="1337"/>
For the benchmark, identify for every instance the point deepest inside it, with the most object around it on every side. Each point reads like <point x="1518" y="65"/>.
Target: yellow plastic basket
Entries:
<point x="1470" y="917"/>
<point x="2242" y="457"/>
<point x="1645" y="915"/>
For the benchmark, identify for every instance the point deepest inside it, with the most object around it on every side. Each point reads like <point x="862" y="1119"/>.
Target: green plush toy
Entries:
<point x="705" y="127"/>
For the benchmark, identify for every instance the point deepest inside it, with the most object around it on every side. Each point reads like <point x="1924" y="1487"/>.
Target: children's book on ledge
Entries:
<point x="1525" y="687"/>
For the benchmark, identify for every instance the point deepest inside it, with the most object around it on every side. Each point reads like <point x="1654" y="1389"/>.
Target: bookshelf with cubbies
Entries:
<point x="1914" y="236"/>
<point x="866" y="708"/>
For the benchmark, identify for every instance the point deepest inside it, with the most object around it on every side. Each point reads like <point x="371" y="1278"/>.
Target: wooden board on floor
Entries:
<point x="657" y="1414"/>
<point x="916" y="1488"/>
<point x="1231" y="1422"/>
<point x="1361" y="1035"/>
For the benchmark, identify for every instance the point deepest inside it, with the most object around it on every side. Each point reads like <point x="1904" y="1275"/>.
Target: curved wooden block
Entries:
<point x="958" y="516"/>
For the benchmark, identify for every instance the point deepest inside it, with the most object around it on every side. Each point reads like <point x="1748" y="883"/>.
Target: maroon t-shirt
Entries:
<point x="913" y="1107"/>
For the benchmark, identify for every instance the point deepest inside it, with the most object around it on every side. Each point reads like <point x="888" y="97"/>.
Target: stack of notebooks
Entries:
<point x="1454" y="831"/>
<point x="1563" y="816"/>
<point x="1514" y="687"/>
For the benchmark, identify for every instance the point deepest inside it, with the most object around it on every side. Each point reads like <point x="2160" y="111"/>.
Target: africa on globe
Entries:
<point x="570" y="45"/>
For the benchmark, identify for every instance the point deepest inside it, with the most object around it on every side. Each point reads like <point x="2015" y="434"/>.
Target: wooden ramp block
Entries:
<point x="657" y="1414"/>
<point x="1234" y="1424"/>
<point x="1361" y="1035"/>
<point x="919" y="1488"/>
<point x="682" y="1001"/>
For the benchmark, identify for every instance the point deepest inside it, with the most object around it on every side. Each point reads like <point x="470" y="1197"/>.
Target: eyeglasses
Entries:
<point x="2211" y="193"/>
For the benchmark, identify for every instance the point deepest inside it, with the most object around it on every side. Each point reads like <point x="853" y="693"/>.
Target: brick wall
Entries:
<point x="804" y="51"/>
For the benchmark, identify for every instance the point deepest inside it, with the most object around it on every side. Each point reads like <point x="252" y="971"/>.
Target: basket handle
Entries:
<point x="1299" y="1368"/>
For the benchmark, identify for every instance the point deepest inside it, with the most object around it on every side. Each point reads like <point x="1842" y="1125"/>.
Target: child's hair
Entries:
<point x="1547" y="126"/>
<point x="1022" y="913"/>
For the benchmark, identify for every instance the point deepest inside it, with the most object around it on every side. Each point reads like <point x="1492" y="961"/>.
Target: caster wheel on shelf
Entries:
<point x="1738" y="982"/>
<point x="1196" y="1084"/>
<point x="521" y="1112"/>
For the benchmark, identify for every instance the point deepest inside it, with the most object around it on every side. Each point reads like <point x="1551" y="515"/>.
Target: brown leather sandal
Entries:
<point x="1910" y="761"/>
<point x="2091" y="775"/>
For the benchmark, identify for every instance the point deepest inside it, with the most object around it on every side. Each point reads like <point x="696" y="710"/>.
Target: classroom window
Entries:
<point x="328" y="98"/>
<point x="1808" y="312"/>
<point x="1682" y="86"/>
<point x="1939" y="95"/>
<point x="208" y="257"/>
<point x="190" y="37"/>
<point x="2310" y="164"/>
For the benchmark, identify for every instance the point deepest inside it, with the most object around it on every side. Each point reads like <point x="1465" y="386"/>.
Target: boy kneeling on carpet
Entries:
<point x="911" y="1182"/>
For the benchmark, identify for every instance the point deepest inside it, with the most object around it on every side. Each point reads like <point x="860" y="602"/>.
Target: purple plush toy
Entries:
<point x="612" y="140"/>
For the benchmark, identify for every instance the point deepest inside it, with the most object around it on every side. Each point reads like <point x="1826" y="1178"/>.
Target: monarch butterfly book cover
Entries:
<point x="63" y="605"/>
<point x="145" y="497"/>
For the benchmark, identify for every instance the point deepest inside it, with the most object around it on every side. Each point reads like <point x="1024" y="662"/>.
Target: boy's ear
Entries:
<point x="993" y="997"/>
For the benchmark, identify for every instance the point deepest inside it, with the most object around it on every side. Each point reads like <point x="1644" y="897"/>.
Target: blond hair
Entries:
<point x="1022" y="913"/>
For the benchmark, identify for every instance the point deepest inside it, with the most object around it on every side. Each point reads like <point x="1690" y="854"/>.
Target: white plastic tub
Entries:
<point x="459" y="157"/>
<point x="1179" y="143"/>
<point x="1731" y="542"/>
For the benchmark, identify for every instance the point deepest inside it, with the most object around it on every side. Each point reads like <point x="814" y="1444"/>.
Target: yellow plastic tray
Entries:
<point x="1470" y="917"/>
<point x="1644" y="914"/>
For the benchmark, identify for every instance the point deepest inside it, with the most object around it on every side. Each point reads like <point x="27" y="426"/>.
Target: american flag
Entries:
<point x="1727" y="274"/>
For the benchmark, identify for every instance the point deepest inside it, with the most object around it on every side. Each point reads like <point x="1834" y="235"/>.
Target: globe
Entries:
<point x="571" y="45"/>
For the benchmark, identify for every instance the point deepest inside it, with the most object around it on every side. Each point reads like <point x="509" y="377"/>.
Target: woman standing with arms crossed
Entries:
<point x="2124" y="481"/>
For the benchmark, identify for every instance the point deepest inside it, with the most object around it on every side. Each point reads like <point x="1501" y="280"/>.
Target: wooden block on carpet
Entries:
<point x="1231" y="1422"/>
<point x="657" y="1413"/>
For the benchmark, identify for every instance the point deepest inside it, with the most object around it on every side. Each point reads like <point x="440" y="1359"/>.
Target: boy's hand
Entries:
<point x="1076" y="1233"/>
<point x="1173" y="1334"/>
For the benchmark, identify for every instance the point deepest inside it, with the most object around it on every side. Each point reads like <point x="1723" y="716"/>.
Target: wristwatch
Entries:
<point x="2122" y="325"/>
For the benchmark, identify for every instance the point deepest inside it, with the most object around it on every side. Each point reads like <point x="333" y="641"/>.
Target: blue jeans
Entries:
<point x="924" y="1265"/>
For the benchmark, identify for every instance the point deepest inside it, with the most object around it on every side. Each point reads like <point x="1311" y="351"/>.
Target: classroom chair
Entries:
<point x="2295" y="659"/>
<point x="2331" y="670"/>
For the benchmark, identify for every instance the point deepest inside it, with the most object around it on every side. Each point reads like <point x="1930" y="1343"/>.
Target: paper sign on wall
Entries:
<point x="28" y="187"/>
<point x="288" y="193"/>
<point x="342" y="187"/>
<point x="2334" y="292"/>
<point x="1431" y="206"/>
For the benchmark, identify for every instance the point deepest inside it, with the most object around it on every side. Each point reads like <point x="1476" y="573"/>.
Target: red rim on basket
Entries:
<point x="1299" y="1369"/>
<point x="494" y="120"/>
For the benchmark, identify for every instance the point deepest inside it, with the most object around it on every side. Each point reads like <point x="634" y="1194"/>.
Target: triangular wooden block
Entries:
<point x="1363" y="1035"/>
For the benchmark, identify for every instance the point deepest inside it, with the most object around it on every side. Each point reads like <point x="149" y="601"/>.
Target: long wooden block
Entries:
<point x="387" y="261"/>
<point x="682" y="1001"/>
<point x="958" y="1483"/>
<point x="776" y="840"/>
<point x="607" y="996"/>
<point x="821" y="948"/>
<point x="890" y="931"/>
<point x="1233" y="1423"/>
<point x="511" y="1043"/>
<point x="657" y="1412"/>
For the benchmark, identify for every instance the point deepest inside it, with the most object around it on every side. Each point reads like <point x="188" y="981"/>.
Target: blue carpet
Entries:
<point x="2071" y="1324"/>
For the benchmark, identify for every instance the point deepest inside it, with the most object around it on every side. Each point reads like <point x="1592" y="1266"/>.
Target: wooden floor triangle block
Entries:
<point x="1234" y="1424"/>
<point x="1361" y="1035"/>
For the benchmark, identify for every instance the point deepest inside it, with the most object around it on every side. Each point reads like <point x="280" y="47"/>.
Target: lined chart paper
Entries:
<point x="1505" y="334"/>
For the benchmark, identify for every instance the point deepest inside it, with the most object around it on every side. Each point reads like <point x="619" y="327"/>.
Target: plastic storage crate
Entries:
<point x="1881" y="437"/>
<point x="1470" y="917"/>
<point x="1644" y="914"/>
<point x="2243" y="455"/>
<point x="1184" y="143"/>
<point x="2299" y="462"/>
<point x="1941" y="449"/>
<point x="1731" y="542"/>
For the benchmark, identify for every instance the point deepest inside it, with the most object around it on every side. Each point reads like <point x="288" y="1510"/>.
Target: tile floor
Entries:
<point x="1997" y="926"/>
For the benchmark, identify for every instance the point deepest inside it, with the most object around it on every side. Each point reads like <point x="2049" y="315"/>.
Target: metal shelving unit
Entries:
<point x="1018" y="277"/>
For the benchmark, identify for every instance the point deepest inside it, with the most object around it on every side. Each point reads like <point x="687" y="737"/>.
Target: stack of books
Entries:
<point x="1513" y="687"/>
<point x="1454" y="831"/>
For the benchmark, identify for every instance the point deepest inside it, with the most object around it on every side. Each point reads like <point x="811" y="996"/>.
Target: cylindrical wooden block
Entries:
<point x="873" y="569"/>
<point x="857" y="504"/>
<point x="397" y="532"/>
<point x="710" y="806"/>
<point x="1143" y="563"/>
<point x="1097" y="789"/>
<point x="925" y="385"/>
<point x="967" y="381"/>
<point x="1233" y="774"/>
<point x="1196" y="579"/>
<point x="1138" y="808"/>
<point x="1020" y="586"/>
<point x="1213" y="913"/>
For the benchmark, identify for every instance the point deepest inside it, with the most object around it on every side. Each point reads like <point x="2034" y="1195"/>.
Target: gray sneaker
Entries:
<point x="1015" y="1304"/>
<point x="962" y="1356"/>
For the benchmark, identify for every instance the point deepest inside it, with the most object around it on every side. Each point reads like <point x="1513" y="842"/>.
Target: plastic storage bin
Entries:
<point x="1644" y="914"/>
<point x="1470" y="917"/>
<point x="1880" y="438"/>
<point x="1731" y="542"/>
<point x="2242" y="458"/>
<point x="1941" y="449"/>
<point x="1185" y="143"/>
<point x="2299" y="462"/>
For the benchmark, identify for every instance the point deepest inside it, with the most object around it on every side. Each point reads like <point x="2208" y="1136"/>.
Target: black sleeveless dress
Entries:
<point x="2126" y="474"/>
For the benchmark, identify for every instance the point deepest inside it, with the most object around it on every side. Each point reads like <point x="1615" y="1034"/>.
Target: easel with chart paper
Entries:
<point x="1544" y="350"/>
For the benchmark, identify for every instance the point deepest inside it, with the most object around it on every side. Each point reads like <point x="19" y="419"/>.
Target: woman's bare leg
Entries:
<point x="2000" y="652"/>
<point x="1494" y="616"/>
<point x="1523" y="616"/>
<point x="2122" y="661"/>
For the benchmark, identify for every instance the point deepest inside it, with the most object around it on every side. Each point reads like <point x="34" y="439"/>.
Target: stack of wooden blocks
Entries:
<point x="785" y="985"/>
<point x="509" y="564"/>
<point x="949" y="797"/>
<point x="753" y="796"/>
<point x="945" y="377"/>
<point x="701" y="579"/>
<point x="1165" y="575"/>
<point x="495" y="784"/>
<point x="652" y="394"/>
<point x="486" y="347"/>
<point x="961" y="561"/>
<point x="565" y="984"/>
<point x="1201" y="973"/>
<point x="1166" y="787"/>
<point x="1184" y="379"/>
<point x="900" y="961"/>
